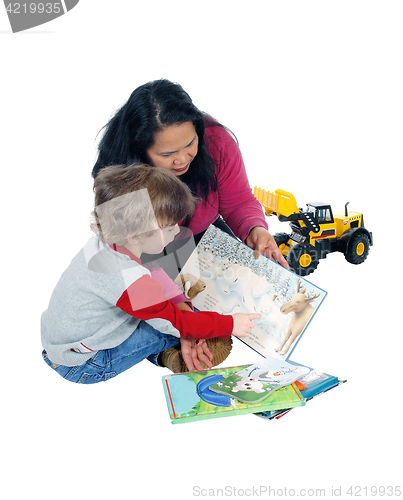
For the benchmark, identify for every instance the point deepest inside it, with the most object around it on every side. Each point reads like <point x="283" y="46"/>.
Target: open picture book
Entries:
<point x="229" y="279"/>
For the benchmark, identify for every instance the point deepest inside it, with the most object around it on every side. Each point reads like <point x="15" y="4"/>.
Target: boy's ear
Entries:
<point x="133" y="239"/>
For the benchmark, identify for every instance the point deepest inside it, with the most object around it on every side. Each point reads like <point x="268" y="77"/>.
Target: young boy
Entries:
<point x="107" y="313"/>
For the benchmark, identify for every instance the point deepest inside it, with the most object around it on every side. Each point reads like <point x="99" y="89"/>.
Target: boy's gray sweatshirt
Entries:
<point x="82" y="310"/>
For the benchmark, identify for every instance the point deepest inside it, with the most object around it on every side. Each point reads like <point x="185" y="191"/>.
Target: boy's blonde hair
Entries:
<point x="137" y="200"/>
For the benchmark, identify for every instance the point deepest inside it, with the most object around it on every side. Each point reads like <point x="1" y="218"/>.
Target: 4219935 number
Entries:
<point x="35" y="8"/>
<point x="374" y="491"/>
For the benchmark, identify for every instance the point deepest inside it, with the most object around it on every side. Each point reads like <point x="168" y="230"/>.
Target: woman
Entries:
<point x="160" y="125"/>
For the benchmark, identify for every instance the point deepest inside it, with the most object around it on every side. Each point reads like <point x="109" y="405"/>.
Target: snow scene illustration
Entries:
<point x="234" y="281"/>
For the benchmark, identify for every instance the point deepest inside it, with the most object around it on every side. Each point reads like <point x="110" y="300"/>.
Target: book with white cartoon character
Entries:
<point x="193" y="396"/>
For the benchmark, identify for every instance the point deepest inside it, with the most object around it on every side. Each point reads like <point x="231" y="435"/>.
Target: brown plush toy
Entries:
<point x="190" y="285"/>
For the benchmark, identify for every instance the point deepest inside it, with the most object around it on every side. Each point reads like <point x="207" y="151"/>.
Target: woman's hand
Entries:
<point x="263" y="243"/>
<point x="194" y="352"/>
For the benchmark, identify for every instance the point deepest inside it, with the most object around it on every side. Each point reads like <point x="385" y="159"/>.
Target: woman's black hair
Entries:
<point x="131" y="131"/>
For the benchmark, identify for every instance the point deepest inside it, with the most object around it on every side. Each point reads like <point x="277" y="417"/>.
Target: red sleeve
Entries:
<point x="170" y="289"/>
<point x="144" y="300"/>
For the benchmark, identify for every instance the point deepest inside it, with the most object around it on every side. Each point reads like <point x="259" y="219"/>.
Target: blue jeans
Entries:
<point x="144" y="343"/>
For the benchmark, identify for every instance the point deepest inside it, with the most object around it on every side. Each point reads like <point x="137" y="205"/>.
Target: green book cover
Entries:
<point x="189" y="397"/>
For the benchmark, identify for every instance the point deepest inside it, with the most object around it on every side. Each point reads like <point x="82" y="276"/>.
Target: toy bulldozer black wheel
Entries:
<point x="357" y="248"/>
<point x="281" y="240"/>
<point x="303" y="259"/>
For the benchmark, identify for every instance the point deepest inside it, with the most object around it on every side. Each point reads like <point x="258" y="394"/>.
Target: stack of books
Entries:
<point x="269" y="389"/>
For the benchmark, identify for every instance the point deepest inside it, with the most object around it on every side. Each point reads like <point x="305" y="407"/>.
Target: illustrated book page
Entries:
<point x="229" y="279"/>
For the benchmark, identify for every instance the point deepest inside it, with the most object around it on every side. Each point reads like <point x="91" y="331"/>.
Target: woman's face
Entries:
<point x="174" y="148"/>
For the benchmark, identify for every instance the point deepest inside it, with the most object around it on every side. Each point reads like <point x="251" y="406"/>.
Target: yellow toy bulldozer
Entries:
<point x="315" y="232"/>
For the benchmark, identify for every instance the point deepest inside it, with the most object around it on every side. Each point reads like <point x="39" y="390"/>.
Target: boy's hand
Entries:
<point x="194" y="352"/>
<point x="243" y="323"/>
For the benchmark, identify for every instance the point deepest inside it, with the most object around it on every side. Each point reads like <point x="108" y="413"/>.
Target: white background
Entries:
<point x="313" y="91"/>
